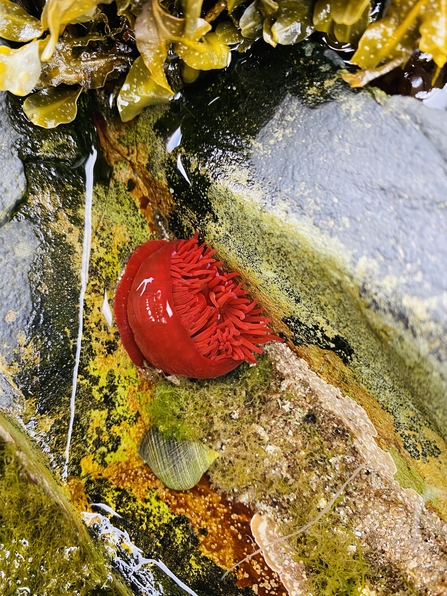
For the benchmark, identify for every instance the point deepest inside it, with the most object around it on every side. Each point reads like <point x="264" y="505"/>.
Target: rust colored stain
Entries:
<point x="222" y="525"/>
<point x="149" y="193"/>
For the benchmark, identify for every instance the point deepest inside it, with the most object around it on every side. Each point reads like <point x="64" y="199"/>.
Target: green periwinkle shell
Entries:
<point x="179" y="464"/>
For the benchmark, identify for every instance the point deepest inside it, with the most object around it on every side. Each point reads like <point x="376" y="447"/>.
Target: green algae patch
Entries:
<point x="116" y="225"/>
<point x="43" y="546"/>
<point x="141" y="134"/>
<point x="184" y="411"/>
<point x="254" y="425"/>
<point x="407" y="475"/>
<point x="335" y="559"/>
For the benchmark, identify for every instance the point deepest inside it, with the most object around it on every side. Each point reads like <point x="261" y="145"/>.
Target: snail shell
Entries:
<point x="179" y="464"/>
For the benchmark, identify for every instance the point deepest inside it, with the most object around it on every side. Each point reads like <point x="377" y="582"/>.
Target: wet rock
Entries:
<point x="257" y="173"/>
<point x="74" y="391"/>
<point x="12" y="178"/>
<point x="17" y="241"/>
<point x="66" y="144"/>
<point x="333" y="202"/>
<point x="368" y="186"/>
<point x="44" y="544"/>
<point x="295" y="184"/>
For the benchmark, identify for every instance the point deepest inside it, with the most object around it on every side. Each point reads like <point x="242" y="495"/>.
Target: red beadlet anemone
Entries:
<point x="178" y="309"/>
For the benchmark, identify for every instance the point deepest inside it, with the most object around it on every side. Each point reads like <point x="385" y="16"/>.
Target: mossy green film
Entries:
<point x="142" y="132"/>
<point x="184" y="411"/>
<point x="43" y="546"/>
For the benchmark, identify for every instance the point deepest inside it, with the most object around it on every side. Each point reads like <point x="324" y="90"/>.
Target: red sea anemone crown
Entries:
<point x="178" y="309"/>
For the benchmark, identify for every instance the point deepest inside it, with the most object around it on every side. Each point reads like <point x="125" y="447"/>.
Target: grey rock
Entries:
<point x="12" y="177"/>
<point x="373" y="178"/>
<point x="370" y="183"/>
<point x="17" y="247"/>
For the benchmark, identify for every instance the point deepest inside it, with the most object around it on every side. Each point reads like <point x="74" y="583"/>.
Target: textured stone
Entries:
<point x="12" y="177"/>
<point x="331" y="204"/>
<point x="369" y="185"/>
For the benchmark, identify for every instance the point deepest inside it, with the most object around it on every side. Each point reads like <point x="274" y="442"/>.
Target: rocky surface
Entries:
<point x="330" y="204"/>
<point x="368" y="185"/>
<point x="88" y="426"/>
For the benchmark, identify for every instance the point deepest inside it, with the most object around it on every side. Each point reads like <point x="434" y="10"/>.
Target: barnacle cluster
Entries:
<point x="158" y="45"/>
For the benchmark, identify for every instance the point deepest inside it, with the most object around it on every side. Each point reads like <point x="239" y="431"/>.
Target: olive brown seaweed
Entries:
<point x="85" y="43"/>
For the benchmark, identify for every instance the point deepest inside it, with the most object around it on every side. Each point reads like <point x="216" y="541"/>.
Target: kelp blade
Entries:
<point x="345" y="21"/>
<point x="53" y="106"/>
<point x="206" y="55"/>
<point x="293" y="22"/>
<point x="58" y="13"/>
<point x="20" y="69"/>
<point x="16" y="24"/>
<point x="433" y="31"/>
<point x="348" y="12"/>
<point x="90" y="69"/>
<point x="139" y="91"/>
<point x="392" y="36"/>
<point x="152" y="43"/>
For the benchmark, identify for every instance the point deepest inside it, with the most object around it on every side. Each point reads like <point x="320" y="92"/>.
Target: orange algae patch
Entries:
<point x="77" y="495"/>
<point x="222" y="526"/>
